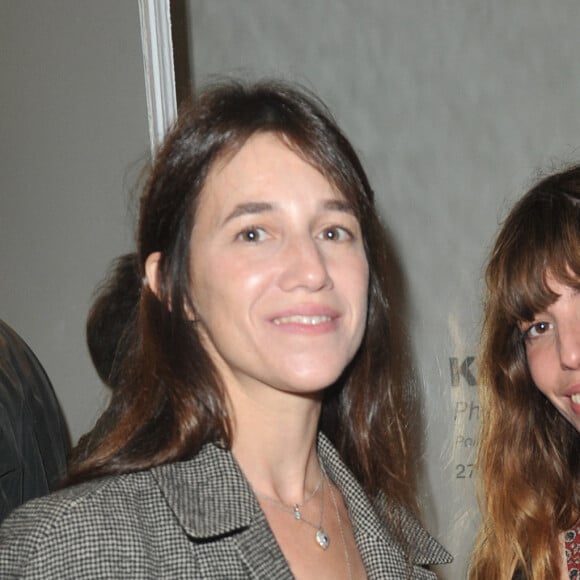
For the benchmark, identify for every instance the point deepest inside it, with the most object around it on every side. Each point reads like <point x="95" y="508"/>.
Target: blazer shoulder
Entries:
<point x="70" y="501"/>
<point x="42" y="531"/>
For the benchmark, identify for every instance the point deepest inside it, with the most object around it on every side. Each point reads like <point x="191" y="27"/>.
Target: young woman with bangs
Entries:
<point x="529" y="448"/>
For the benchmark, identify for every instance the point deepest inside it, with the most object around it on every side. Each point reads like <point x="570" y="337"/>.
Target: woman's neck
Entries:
<point x="274" y="441"/>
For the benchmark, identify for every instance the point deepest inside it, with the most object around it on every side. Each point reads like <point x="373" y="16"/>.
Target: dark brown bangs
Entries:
<point x="564" y="262"/>
<point x="540" y="238"/>
<point x="524" y="290"/>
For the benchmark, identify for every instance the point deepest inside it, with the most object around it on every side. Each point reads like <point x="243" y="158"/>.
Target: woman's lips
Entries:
<point x="575" y="403"/>
<point x="308" y="319"/>
<point x="574" y="393"/>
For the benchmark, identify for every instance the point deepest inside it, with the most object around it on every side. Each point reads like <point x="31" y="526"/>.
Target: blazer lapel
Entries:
<point x="382" y="556"/>
<point x="211" y="498"/>
<point x="259" y="549"/>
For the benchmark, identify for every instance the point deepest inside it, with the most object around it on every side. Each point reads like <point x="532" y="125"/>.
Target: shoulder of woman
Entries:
<point x="44" y="532"/>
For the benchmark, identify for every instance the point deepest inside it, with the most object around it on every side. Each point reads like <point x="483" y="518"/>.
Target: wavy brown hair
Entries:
<point x="529" y="454"/>
<point x="169" y="399"/>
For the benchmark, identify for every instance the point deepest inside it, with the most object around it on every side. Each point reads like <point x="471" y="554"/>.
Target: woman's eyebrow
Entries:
<point x="257" y="207"/>
<point x="339" y="205"/>
<point x="252" y="207"/>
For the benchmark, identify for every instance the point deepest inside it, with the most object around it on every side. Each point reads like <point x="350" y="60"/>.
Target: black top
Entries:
<point x="33" y="434"/>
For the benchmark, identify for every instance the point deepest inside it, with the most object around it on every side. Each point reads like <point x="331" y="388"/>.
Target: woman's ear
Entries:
<point x="152" y="272"/>
<point x="152" y="279"/>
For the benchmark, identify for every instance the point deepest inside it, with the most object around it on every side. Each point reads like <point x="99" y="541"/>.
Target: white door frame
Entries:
<point x="157" y="45"/>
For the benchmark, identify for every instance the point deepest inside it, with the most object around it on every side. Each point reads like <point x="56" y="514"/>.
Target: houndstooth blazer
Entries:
<point x="192" y="519"/>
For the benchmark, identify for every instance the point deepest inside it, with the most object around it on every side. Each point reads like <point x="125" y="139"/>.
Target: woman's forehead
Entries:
<point x="265" y="165"/>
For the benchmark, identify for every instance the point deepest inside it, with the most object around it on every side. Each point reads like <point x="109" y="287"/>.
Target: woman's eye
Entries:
<point x="537" y="329"/>
<point x="252" y="234"/>
<point x="336" y="234"/>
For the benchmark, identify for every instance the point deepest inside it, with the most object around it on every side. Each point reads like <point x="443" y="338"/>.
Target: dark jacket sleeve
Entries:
<point x="33" y="434"/>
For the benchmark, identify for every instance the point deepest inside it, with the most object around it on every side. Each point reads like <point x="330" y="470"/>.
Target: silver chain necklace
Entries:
<point x="321" y="536"/>
<point x="342" y="536"/>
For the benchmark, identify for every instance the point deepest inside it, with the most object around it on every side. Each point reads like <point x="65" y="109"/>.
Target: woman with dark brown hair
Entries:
<point x="529" y="449"/>
<point x="257" y="426"/>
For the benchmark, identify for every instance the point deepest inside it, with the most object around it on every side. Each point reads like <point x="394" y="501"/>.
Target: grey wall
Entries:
<point x="454" y="105"/>
<point x="73" y="126"/>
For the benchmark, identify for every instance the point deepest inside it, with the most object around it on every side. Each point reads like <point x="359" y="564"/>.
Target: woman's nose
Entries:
<point x="569" y="344"/>
<point x="304" y="266"/>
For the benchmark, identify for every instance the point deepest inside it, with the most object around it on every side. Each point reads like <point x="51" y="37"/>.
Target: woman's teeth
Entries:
<point x="298" y="319"/>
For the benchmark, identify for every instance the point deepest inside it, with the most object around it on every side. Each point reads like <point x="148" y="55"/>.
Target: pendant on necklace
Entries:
<point x="322" y="539"/>
<point x="297" y="514"/>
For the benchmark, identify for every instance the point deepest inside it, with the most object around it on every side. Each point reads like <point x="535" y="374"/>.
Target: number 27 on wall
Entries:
<point x="464" y="471"/>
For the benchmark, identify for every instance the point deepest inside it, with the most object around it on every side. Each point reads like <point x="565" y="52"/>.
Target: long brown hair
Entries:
<point x="169" y="400"/>
<point x="529" y="455"/>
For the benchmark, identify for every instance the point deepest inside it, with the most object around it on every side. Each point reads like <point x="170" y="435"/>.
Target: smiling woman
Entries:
<point x="257" y="428"/>
<point x="293" y="278"/>
<point x="529" y="451"/>
<point x="553" y="348"/>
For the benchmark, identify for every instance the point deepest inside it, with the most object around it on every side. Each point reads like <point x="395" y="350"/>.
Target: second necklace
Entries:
<point x="320" y="536"/>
